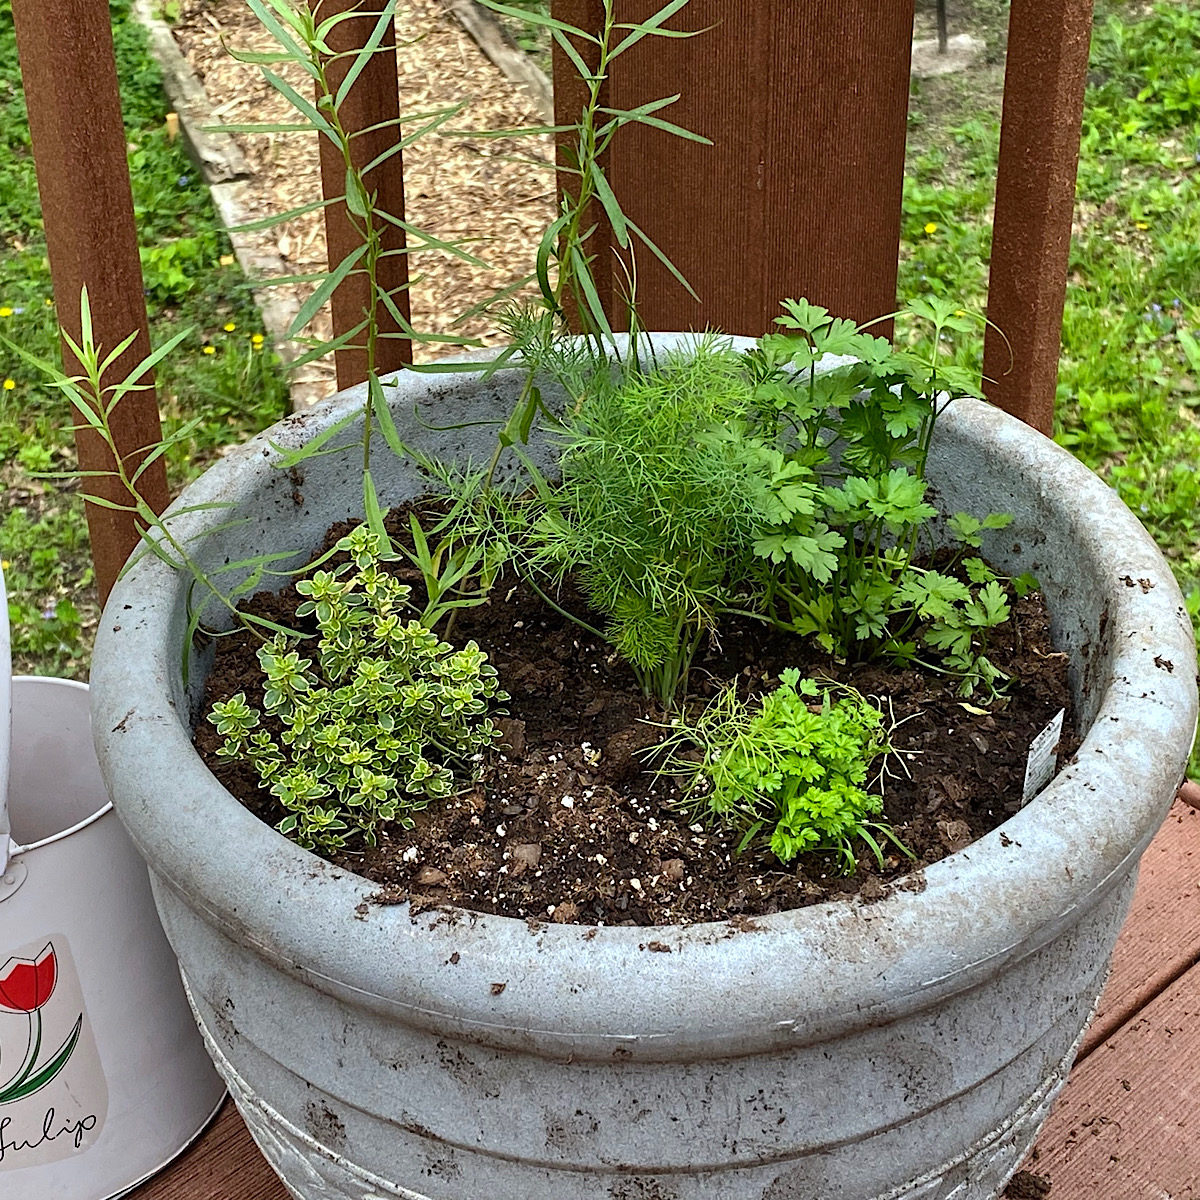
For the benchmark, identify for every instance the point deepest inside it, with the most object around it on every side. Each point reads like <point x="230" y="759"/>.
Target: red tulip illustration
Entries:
<point x="25" y="986"/>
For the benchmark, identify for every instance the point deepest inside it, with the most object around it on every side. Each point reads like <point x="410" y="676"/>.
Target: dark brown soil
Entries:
<point x="1024" y="1185"/>
<point x="567" y="825"/>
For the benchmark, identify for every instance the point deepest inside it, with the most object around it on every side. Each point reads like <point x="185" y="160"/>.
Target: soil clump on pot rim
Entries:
<point x="570" y="824"/>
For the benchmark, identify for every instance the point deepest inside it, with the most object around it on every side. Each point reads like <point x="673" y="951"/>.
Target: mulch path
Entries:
<point x="499" y="191"/>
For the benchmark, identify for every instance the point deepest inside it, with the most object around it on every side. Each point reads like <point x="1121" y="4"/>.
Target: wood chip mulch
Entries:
<point x="454" y="187"/>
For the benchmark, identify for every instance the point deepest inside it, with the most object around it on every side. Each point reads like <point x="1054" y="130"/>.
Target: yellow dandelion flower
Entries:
<point x="257" y="339"/>
<point x="210" y="350"/>
<point x="6" y="311"/>
<point x="1136" y="225"/>
<point x="49" y="302"/>
<point x="931" y="227"/>
<point x="229" y="326"/>
<point x="4" y="565"/>
<point x="9" y="384"/>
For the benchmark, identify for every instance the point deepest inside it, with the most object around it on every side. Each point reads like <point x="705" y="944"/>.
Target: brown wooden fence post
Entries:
<point x="373" y="98"/>
<point x="70" y="82"/>
<point x="1048" y="46"/>
<point x="800" y="194"/>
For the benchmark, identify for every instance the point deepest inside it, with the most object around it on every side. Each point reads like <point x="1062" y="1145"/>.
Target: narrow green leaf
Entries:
<point x="429" y="241"/>
<point x="273" y="626"/>
<point x="162" y="447"/>
<point x="287" y="10"/>
<point x="379" y="159"/>
<point x="44" y="366"/>
<point x="373" y="512"/>
<point x="394" y="312"/>
<point x="510" y="132"/>
<point x="321" y="349"/>
<point x="102" y="502"/>
<point x="536" y="18"/>
<point x="298" y="102"/>
<point x="495" y="298"/>
<point x="282" y="280"/>
<point x="291" y="214"/>
<point x="327" y="26"/>
<point x="265" y="127"/>
<point x="404" y="119"/>
<point x="652" y="25"/>
<point x="354" y="194"/>
<point x="437" y="120"/>
<point x="545" y="249"/>
<point x="258" y="57"/>
<point x="309" y="308"/>
<point x="644" y="238"/>
<point x="85" y="323"/>
<point x="565" y="45"/>
<point x="275" y="28"/>
<point x="156" y="356"/>
<point x="290" y="458"/>
<point x="117" y="351"/>
<point x="616" y="217"/>
<point x="587" y="284"/>
<point x="631" y="115"/>
<point x="364" y="55"/>
<point x="383" y="415"/>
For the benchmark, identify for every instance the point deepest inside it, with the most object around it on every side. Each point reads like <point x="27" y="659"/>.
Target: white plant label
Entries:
<point x="1043" y="757"/>
<point x="53" y="1095"/>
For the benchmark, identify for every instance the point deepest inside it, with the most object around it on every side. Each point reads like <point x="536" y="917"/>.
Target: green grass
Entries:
<point x="1127" y="394"/>
<point x="222" y="372"/>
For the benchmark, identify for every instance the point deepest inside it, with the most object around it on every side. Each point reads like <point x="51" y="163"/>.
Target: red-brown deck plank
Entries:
<point x="1161" y="937"/>
<point x="1127" y="1125"/>
<point x="223" y="1165"/>
<point x="1104" y="1140"/>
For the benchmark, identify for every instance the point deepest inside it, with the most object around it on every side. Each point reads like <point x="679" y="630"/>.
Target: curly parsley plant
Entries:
<point x="795" y="763"/>
<point x="388" y="717"/>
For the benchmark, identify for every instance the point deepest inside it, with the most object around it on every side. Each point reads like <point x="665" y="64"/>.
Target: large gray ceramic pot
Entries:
<point x="906" y="1048"/>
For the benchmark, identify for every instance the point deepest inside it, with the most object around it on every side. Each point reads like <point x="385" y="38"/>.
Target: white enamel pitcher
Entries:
<point x="103" y="1077"/>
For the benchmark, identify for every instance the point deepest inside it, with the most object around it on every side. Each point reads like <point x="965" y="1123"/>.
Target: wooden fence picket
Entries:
<point x="70" y="80"/>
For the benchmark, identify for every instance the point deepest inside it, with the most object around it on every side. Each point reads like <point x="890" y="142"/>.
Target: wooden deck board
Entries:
<point x="1126" y="1126"/>
<point x="1161" y="938"/>
<point x="1124" y="1129"/>
<point x="224" y="1164"/>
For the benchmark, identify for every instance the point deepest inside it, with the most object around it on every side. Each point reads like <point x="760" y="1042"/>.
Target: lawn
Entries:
<point x="1127" y="394"/>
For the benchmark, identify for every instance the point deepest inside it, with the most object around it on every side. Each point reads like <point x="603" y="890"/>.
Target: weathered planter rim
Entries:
<point x="884" y="959"/>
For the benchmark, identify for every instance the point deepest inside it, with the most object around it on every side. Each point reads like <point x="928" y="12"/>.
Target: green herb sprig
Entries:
<point x="794" y="764"/>
<point x="386" y="718"/>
